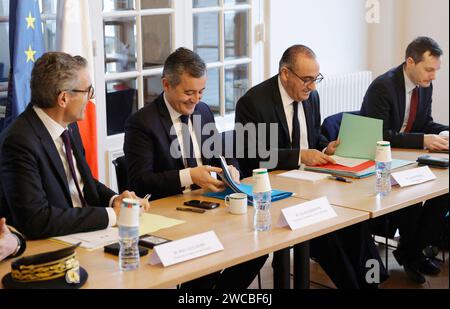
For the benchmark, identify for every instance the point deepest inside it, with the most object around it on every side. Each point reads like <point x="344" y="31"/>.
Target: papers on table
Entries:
<point x="149" y="223"/>
<point x="358" y="136"/>
<point x="349" y="162"/>
<point x="304" y="175"/>
<point x="186" y="249"/>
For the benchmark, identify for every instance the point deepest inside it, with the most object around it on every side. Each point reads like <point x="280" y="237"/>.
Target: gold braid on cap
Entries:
<point x="68" y="266"/>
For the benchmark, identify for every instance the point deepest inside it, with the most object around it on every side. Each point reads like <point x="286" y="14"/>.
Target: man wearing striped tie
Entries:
<point x="402" y="99"/>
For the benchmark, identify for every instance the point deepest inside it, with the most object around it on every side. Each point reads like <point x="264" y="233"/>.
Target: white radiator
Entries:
<point x="343" y="93"/>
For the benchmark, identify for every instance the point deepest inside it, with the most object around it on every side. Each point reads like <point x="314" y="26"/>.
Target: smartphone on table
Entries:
<point x="201" y="204"/>
<point x="149" y="241"/>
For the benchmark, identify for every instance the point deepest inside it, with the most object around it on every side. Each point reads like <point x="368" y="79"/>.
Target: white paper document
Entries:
<point x="92" y="240"/>
<point x="349" y="162"/>
<point x="186" y="249"/>
<point x="305" y="175"/>
<point x="412" y="177"/>
<point x="305" y="214"/>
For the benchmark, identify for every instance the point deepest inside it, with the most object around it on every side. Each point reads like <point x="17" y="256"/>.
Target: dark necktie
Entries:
<point x="188" y="147"/>
<point x="412" y="109"/>
<point x="68" y="145"/>
<point x="295" y="128"/>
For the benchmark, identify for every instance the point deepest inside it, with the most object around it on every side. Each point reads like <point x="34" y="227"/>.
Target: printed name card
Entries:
<point x="305" y="214"/>
<point x="413" y="176"/>
<point x="186" y="249"/>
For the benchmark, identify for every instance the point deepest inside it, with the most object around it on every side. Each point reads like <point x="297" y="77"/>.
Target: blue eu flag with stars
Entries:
<point x="25" y="46"/>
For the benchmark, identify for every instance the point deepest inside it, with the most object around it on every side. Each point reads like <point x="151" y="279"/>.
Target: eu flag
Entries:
<point x="25" y="46"/>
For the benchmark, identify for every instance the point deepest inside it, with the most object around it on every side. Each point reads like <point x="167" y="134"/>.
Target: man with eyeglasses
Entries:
<point x="290" y="101"/>
<point x="46" y="186"/>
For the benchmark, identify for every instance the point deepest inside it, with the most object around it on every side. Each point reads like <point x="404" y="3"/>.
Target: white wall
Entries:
<point x="335" y="30"/>
<point x="344" y="42"/>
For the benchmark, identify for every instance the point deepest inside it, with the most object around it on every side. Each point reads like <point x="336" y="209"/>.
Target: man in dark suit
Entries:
<point x="167" y="152"/>
<point x="47" y="188"/>
<point x="290" y="103"/>
<point x="402" y="99"/>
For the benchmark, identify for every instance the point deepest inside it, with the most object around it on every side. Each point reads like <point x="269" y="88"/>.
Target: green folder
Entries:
<point x="358" y="136"/>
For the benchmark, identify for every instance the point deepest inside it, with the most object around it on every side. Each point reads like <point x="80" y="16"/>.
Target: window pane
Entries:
<point x="48" y="6"/>
<point x="157" y="41"/>
<point x="204" y="3"/>
<point x="236" y="34"/>
<point x="206" y="36"/>
<point x="121" y="102"/>
<point x="152" y="88"/>
<point x="120" y="45"/>
<point x="4" y="51"/>
<point x="236" y="84"/>
<point x="4" y="7"/>
<point x="118" y="5"/>
<point x="50" y="35"/>
<point x="234" y="2"/>
<point x="155" y="4"/>
<point x="211" y="96"/>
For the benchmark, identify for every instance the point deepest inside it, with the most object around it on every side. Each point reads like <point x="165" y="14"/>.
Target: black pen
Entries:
<point x="339" y="178"/>
<point x="200" y="211"/>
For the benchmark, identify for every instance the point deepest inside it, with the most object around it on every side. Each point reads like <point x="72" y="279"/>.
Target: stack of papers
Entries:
<point x="304" y="176"/>
<point x="233" y="187"/>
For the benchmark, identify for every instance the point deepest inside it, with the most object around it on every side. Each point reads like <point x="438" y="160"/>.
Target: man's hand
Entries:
<point x="8" y="243"/>
<point x="331" y="148"/>
<point x="434" y="142"/>
<point x="234" y="174"/>
<point x="201" y="177"/>
<point x="313" y="157"/>
<point x="117" y="203"/>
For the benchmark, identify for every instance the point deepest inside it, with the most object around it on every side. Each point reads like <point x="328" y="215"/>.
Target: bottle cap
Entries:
<point x="383" y="152"/>
<point x="261" y="180"/>
<point x="129" y="213"/>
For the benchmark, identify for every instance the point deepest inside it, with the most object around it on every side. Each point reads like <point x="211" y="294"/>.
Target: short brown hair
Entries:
<point x="417" y="48"/>
<point x="182" y="61"/>
<point x="52" y="73"/>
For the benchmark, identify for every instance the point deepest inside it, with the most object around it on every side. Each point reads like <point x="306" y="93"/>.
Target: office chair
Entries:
<point x="120" y="165"/>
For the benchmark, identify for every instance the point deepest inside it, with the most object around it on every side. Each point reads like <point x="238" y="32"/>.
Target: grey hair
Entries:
<point x="289" y="56"/>
<point x="182" y="61"/>
<point x="52" y="73"/>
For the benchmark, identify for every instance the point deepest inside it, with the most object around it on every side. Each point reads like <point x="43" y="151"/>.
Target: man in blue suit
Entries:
<point x="46" y="186"/>
<point x="166" y="151"/>
<point x="402" y="98"/>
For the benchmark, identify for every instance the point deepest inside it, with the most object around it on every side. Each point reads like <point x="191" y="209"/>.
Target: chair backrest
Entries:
<point x="120" y="165"/>
<point x="332" y="124"/>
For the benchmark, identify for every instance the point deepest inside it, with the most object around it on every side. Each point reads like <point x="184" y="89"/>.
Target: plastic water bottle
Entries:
<point x="262" y="191"/>
<point x="383" y="161"/>
<point x="129" y="235"/>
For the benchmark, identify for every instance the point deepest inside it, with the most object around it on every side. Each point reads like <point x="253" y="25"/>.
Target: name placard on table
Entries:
<point x="412" y="177"/>
<point x="186" y="249"/>
<point x="307" y="213"/>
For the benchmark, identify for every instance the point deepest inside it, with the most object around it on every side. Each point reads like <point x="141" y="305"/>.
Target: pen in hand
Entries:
<point x="200" y="211"/>
<point x="339" y="178"/>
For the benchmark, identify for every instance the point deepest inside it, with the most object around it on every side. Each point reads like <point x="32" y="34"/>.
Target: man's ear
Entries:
<point x="165" y="84"/>
<point x="62" y="99"/>
<point x="410" y="61"/>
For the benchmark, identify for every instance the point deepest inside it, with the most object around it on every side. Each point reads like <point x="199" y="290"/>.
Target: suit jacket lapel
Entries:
<point x="167" y="124"/>
<point x="401" y="96"/>
<point x="49" y="147"/>
<point x="307" y="108"/>
<point x="279" y="109"/>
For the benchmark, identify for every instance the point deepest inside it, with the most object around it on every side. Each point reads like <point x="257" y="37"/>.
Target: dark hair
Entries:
<point x="182" y="61"/>
<point x="52" y="73"/>
<point x="289" y="56"/>
<point x="417" y="48"/>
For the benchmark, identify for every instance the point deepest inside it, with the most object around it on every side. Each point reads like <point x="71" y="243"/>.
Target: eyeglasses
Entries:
<point x="90" y="91"/>
<point x="308" y="80"/>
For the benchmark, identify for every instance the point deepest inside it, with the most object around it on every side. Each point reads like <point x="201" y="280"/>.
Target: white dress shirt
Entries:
<point x="55" y="130"/>
<point x="409" y="87"/>
<point x="185" y="174"/>
<point x="289" y="112"/>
